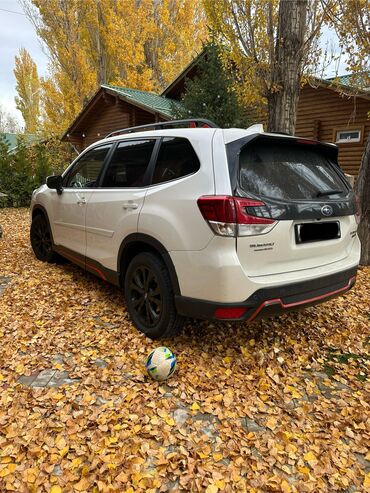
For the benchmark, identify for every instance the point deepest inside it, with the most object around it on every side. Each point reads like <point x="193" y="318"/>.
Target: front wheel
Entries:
<point x="41" y="242"/>
<point x="149" y="297"/>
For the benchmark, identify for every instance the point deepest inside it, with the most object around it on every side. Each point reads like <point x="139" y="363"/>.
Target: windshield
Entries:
<point x="288" y="171"/>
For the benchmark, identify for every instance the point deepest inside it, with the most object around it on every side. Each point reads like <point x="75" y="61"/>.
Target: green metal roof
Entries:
<point x="12" y="139"/>
<point x="351" y="80"/>
<point x="154" y="102"/>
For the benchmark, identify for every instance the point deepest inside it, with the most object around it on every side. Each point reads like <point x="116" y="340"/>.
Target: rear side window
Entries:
<point x="129" y="164"/>
<point x="287" y="171"/>
<point x="176" y="158"/>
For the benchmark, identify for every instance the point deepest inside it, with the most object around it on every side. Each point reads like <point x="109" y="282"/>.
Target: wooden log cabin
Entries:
<point x="113" y="108"/>
<point x="328" y="110"/>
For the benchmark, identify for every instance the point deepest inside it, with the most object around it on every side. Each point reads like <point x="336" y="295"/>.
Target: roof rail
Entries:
<point x="191" y="122"/>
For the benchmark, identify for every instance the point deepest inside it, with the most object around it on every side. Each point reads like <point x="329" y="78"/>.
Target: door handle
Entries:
<point x="130" y="205"/>
<point x="81" y="201"/>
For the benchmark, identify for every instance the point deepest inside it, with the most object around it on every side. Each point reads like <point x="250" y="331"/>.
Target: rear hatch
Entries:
<point x="298" y="185"/>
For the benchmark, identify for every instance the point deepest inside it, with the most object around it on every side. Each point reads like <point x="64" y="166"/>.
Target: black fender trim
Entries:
<point x="133" y="238"/>
<point x="41" y="208"/>
<point x="88" y="264"/>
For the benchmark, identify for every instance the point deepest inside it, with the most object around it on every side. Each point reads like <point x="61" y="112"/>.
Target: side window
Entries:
<point x="176" y="158"/>
<point x="129" y="164"/>
<point x="86" y="171"/>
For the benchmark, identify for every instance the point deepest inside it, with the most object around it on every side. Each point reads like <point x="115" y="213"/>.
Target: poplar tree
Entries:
<point x="28" y="89"/>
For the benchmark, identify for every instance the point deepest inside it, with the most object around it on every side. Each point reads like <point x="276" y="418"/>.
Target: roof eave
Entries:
<point x="340" y="88"/>
<point x="82" y="114"/>
<point x="142" y="106"/>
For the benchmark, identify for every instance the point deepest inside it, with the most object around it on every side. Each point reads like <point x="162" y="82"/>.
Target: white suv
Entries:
<point x="225" y="224"/>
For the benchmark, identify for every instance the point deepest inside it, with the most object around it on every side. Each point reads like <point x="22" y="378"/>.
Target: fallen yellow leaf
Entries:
<point x="4" y="472"/>
<point x="285" y="486"/>
<point x="82" y="485"/>
<point x="271" y="423"/>
<point x="293" y="391"/>
<point x="212" y="488"/>
<point x="56" y="489"/>
<point x="217" y="457"/>
<point x="310" y="458"/>
<point x="367" y="481"/>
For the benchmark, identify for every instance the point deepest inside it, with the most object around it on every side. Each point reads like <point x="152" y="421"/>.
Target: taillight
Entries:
<point x="358" y="209"/>
<point x="235" y="216"/>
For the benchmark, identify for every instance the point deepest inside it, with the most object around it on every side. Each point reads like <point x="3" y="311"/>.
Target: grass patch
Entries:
<point x="336" y="357"/>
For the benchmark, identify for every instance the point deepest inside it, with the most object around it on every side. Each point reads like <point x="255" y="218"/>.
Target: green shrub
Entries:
<point x="27" y="168"/>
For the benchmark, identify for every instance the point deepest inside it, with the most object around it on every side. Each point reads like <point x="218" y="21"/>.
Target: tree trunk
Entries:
<point x="283" y="95"/>
<point x="362" y="189"/>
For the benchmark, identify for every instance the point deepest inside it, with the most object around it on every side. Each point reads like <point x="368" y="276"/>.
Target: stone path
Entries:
<point x="47" y="378"/>
<point x="4" y="281"/>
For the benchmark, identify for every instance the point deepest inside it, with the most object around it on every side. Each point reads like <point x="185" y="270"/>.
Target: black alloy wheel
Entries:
<point x="41" y="240"/>
<point x="146" y="296"/>
<point x="149" y="297"/>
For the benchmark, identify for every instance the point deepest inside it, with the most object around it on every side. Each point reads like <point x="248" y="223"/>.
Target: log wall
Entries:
<point x="322" y="111"/>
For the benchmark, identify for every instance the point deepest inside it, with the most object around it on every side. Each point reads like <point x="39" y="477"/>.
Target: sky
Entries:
<point x="17" y="31"/>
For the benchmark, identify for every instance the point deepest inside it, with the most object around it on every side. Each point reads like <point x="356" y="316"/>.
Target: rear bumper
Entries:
<point x="272" y="301"/>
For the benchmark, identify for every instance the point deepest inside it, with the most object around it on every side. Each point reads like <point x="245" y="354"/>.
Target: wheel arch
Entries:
<point x="39" y="210"/>
<point x="139" y="242"/>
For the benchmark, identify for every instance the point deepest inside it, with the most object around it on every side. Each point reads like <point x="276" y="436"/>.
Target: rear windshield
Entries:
<point x="288" y="171"/>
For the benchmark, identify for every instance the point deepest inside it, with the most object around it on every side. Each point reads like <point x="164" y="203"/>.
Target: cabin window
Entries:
<point x="348" y="136"/>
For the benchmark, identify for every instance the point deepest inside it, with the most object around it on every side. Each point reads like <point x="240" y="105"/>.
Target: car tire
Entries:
<point x="149" y="297"/>
<point x="41" y="239"/>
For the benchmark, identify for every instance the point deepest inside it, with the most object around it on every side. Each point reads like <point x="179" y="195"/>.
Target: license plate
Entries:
<point x="310" y="232"/>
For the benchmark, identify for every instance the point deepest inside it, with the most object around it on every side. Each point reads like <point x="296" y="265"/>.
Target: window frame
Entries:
<point x="147" y="175"/>
<point x="156" y="152"/>
<point x="350" y="128"/>
<point x="74" y="165"/>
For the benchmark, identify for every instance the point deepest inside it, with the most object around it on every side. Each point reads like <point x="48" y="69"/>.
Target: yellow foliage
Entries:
<point x="28" y="89"/>
<point x="141" y="45"/>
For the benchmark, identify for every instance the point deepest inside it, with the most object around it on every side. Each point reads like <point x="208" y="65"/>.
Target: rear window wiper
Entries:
<point x="329" y="192"/>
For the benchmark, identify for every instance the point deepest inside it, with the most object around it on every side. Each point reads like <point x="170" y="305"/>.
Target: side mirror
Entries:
<point x="55" y="183"/>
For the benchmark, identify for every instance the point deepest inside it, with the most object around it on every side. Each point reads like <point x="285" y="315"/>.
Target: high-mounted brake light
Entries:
<point x="235" y="216"/>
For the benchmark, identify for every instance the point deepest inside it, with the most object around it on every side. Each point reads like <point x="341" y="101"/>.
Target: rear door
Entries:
<point x="182" y="173"/>
<point x="303" y="188"/>
<point x="114" y="208"/>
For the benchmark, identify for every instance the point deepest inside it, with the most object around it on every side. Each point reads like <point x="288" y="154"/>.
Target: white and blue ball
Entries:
<point x="161" y="363"/>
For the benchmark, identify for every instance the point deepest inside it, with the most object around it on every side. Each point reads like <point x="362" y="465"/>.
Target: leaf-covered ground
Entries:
<point x="280" y="405"/>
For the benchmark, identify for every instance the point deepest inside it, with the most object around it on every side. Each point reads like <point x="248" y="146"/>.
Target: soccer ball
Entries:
<point x="161" y="363"/>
